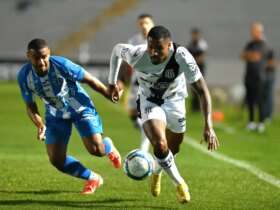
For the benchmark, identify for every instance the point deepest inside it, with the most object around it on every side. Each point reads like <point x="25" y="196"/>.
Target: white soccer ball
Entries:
<point x="138" y="164"/>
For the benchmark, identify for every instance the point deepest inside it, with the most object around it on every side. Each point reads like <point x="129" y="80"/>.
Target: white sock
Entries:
<point x="145" y="143"/>
<point x="92" y="176"/>
<point x="169" y="166"/>
<point x="139" y="122"/>
<point x="158" y="168"/>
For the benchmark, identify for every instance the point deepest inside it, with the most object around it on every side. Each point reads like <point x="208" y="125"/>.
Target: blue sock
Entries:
<point x="108" y="145"/>
<point x="74" y="168"/>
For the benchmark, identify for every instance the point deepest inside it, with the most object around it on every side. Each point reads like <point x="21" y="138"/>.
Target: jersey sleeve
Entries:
<point x="188" y="64"/>
<point x="69" y="69"/>
<point x="26" y="93"/>
<point x="74" y="71"/>
<point x="120" y="52"/>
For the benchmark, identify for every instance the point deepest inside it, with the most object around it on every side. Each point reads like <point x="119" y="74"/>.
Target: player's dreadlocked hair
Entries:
<point x="36" y="44"/>
<point x="159" y="32"/>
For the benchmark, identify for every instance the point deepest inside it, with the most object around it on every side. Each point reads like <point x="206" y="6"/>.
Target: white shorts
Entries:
<point x="173" y="113"/>
<point x="133" y="97"/>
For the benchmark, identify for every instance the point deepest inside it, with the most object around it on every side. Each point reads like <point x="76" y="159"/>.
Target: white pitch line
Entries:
<point x="238" y="163"/>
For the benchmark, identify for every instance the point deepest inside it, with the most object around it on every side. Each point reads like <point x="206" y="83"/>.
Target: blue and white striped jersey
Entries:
<point x="59" y="89"/>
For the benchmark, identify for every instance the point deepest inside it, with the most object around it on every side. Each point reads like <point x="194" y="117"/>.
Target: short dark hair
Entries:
<point x="159" y="32"/>
<point x="144" y="15"/>
<point x="37" y="44"/>
<point x="195" y="30"/>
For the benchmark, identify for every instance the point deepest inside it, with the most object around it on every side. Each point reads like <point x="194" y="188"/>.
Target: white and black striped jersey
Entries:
<point x="168" y="78"/>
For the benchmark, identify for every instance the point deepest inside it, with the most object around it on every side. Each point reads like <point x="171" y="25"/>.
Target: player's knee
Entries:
<point x="160" y="148"/>
<point x="97" y="150"/>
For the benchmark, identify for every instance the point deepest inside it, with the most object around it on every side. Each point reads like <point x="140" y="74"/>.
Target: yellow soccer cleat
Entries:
<point x="155" y="184"/>
<point x="183" y="194"/>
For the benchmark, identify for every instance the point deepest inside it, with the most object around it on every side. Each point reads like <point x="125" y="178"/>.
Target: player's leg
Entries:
<point x="133" y="113"/>
<point x="67" y="163"/>
<point x="145" y="143"/>
<point x="57" y="136"/>
<point x="98" y="146"/>
<point x="154" y="118"/>
<point x="250" y="101"/>
<point x="176" y="126"/>
<point x="90" y="128"/>
<point x="154" y="124"/>
<point x="174" y="141"/>
<point x="155" y="131"/>
<point x="261" y="100"/>
<point x="157" y="173"/>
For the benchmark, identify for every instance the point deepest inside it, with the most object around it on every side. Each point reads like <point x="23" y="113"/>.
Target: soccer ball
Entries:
<point x="138" y="164"/>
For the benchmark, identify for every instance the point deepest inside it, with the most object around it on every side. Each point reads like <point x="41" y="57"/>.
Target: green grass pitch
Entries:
<point x="28" y="181"/>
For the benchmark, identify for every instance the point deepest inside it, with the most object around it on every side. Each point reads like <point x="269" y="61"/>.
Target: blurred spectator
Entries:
<point x="197" y="47"/>
<point x="144" y="23"/>
<point x="255" y="55"/>
<point x="24" y="5"/>
<point x="269" y="84"/>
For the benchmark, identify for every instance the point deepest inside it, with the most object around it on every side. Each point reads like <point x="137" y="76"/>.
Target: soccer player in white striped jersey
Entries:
<point x="162" y="68"/>
<point x="55" y="80"/>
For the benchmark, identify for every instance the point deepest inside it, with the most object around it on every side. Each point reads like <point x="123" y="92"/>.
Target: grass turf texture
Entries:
<point x="28" y="181"/>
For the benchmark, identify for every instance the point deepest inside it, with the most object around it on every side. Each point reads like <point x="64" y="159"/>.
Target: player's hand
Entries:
<point x="115" y="93"/>
<point x="210" y="137"/>
<point x="41" y="133"/>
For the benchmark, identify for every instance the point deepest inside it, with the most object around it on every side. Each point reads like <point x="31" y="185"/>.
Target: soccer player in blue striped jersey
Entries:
<point x="55" y="80"/>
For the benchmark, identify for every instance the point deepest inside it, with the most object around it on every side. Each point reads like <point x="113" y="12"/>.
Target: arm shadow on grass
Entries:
<point x="36" y="192"/>
<point x="109" y="203"/>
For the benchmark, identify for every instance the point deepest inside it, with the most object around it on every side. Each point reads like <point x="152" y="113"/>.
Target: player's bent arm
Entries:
<point x="95" y="84"/>
<point x="121" y="52"/>
<point x="209" y="135"/>
<point x="202" y="91"/>
<point x="271" y="61"/>
<point x="244" y="56"/>
<point x="34" y="115"/>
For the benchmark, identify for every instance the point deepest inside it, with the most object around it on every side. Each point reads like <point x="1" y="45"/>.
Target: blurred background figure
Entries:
<point x="197" y="47"/>
<point x="255" y="55"/>
<point x="269" y="85"/>
<point x="144" y="23"/>
<point x="24" y="5"/>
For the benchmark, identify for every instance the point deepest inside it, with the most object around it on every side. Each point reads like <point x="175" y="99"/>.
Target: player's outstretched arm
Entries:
<point x="34" y="115"/>
<point x="98" y="86"/>
<point x="209" y="134"/>
<point x="95" y="84"/>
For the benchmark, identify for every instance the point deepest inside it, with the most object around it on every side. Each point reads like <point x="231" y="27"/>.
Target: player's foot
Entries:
<point x="183" y="194"/>
<point x="261" y="127"/>
<point x="115" y="156"/>
<point x="156" y="184"/>
<point x="251" y="126"/>
<point x="92" y="185"/>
